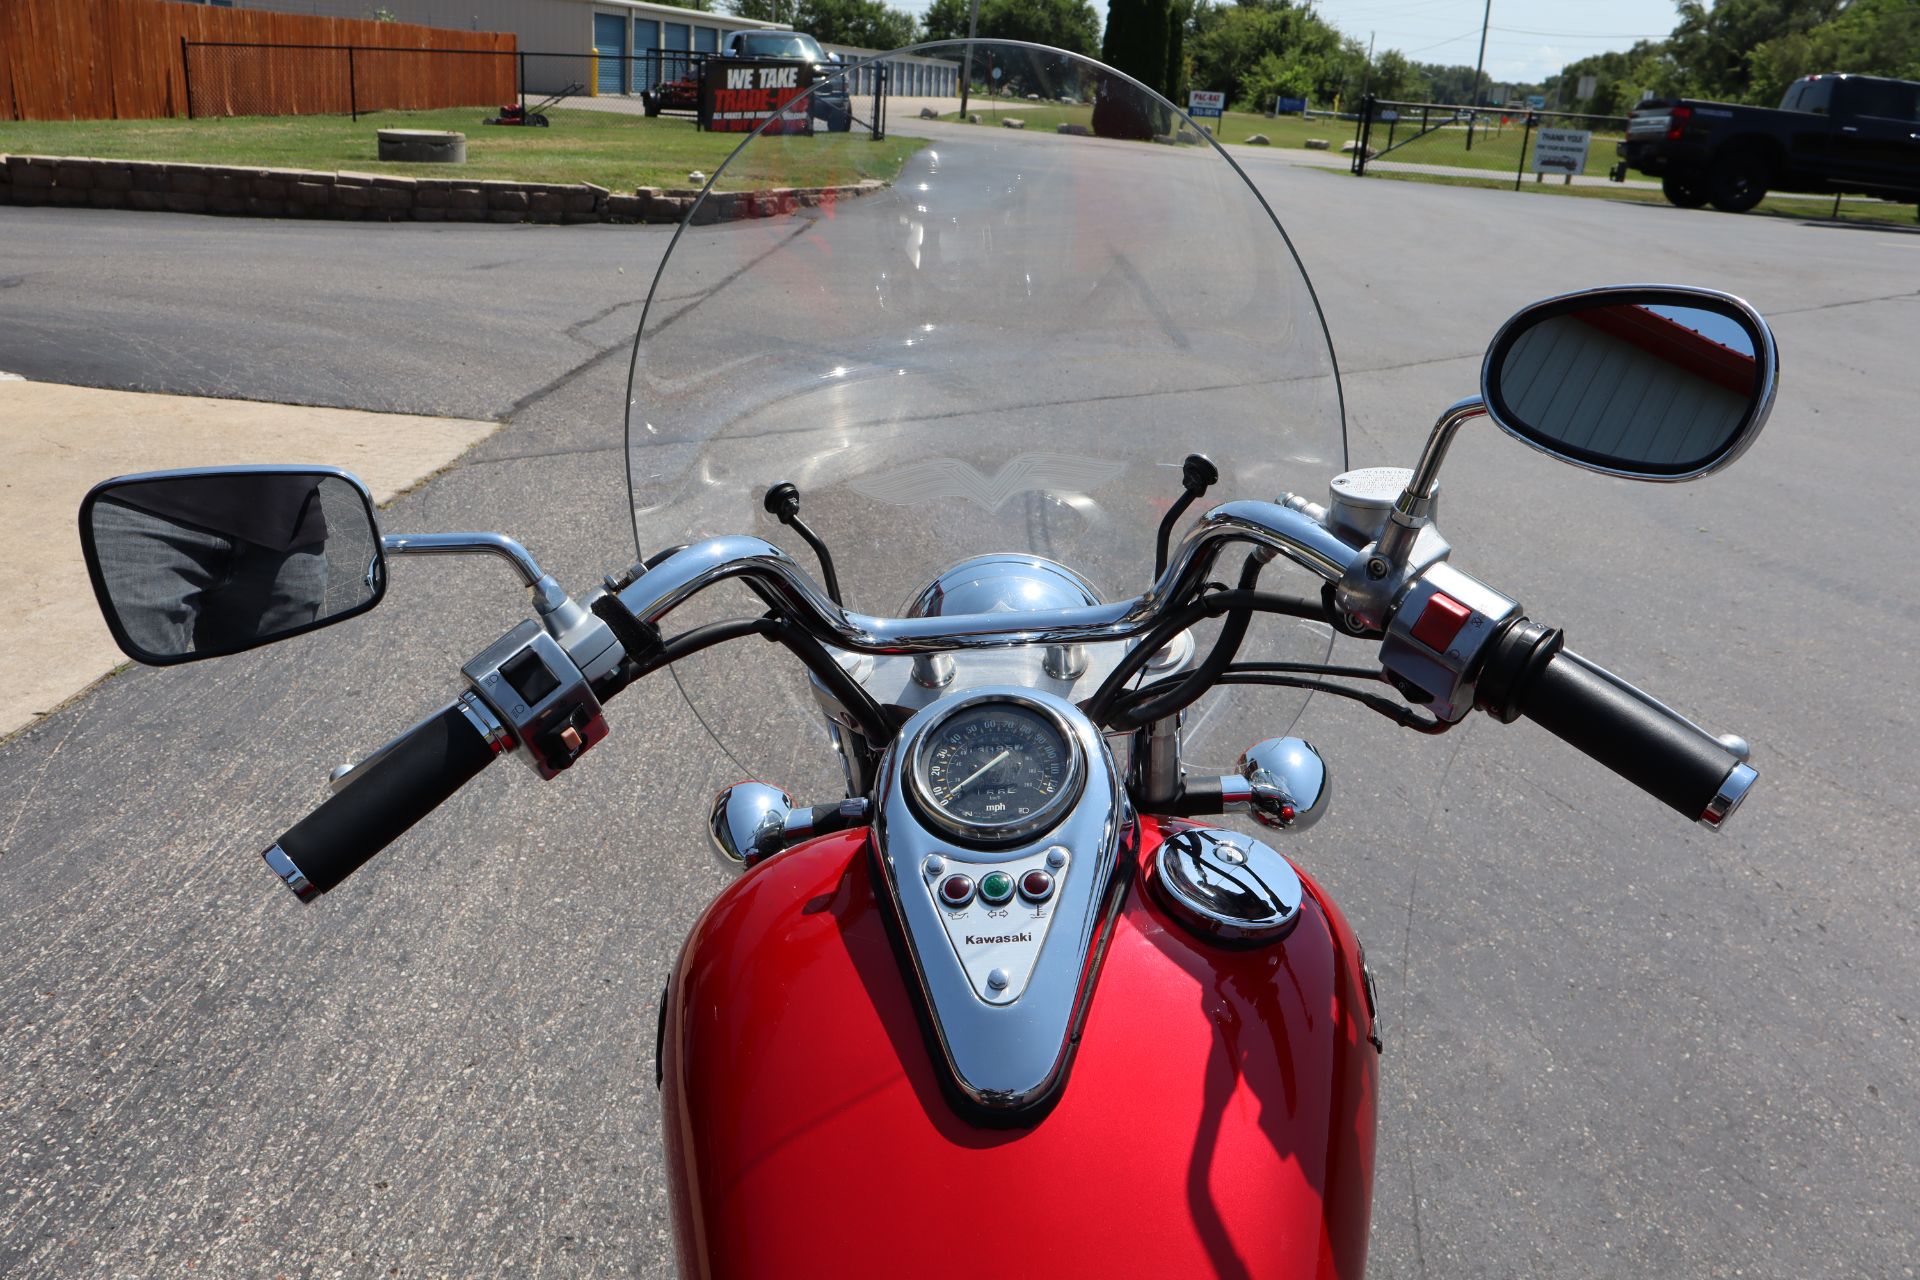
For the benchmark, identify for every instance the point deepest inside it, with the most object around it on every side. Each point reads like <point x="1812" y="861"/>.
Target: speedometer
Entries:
<point x="995" y="769"/>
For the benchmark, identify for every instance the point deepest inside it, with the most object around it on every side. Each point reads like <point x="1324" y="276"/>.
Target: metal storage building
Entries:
<point x="570" y="32"/>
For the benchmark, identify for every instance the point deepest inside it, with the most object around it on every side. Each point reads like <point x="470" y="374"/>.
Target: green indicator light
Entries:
<point x="996" y="886"/>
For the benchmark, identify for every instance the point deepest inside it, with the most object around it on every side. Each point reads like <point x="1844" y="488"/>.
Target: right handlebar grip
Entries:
<point x="1656" y="749"/>
<point x="420" y="771"/>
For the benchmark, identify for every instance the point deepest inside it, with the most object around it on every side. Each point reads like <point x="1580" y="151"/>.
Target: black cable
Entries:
<point x="1406" y="717"/>
<point x="1209" y="606"/>
<point x="871" y="720"/>
<point x="1233" y="632"/>
<point x="691" y="642"/>
<point x="782" y="502"/>
<point x="1197" y="475"/>
<point x="858" y="702"/>
<point x="1311" y="669"/>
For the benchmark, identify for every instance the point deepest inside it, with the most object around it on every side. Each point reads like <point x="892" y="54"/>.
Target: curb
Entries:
<point x="249" y="192"/>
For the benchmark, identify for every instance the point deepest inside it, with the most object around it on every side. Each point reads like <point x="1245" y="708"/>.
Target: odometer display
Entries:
<point x="995" y="770"/>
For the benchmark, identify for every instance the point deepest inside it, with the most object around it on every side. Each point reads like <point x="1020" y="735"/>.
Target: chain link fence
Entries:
<point x="1486" y="142"/>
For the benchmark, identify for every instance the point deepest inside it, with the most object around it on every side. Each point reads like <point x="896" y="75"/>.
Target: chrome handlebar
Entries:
<point x="774" y="575"/>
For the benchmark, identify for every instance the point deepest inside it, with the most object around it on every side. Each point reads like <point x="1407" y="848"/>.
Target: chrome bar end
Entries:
<point x="1728" y="798"/>
<point x="290" y="875"/>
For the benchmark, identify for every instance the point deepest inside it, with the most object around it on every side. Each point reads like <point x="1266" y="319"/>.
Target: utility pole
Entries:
<point x="966" y="72"/>
<point x="1479" y="64"/>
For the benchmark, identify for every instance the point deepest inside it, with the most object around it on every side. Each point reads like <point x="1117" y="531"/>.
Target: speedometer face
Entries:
<point x="996" y="770"/>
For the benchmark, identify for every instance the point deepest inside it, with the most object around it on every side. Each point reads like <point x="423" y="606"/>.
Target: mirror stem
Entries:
<point x="1411" y="509"/>
<point x="547" y="594"/>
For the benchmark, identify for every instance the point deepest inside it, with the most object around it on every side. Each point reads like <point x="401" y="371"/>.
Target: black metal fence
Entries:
<point x="1485" y="142"/>
<point x="249" y="79"/>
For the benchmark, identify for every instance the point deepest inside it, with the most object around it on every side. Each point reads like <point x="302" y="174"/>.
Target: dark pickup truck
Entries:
<point x="831" y="105"/>
<point x="1835" y="133"/>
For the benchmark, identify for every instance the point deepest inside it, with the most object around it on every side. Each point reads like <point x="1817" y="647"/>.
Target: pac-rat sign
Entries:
<point x="738" y="95"/>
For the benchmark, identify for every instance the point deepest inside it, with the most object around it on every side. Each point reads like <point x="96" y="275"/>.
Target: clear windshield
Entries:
<point x="1009" y="347"/>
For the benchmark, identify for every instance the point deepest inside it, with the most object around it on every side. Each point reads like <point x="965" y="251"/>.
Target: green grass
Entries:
<point x="1043" y="116"/>
<point x="1234" y="127"/>
<point x="1799" y="207"/>
<point x="1496" y="147"/>
<point x="616" y="151"/>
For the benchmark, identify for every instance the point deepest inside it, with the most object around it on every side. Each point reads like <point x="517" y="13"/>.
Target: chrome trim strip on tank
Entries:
<point x="687" y="572"/>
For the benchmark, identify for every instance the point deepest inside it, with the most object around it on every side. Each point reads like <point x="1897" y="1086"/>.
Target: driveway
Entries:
<point x="1615" y="1045"/>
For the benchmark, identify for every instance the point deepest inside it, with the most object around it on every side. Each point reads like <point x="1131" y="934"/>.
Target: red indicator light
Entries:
<point x="1677" y="122"/>
<point x="1288" y="813"/>
<point x="1440" y="621"/>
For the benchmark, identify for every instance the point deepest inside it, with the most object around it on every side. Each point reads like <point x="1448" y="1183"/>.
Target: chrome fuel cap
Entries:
<point x="1226" y="887"/>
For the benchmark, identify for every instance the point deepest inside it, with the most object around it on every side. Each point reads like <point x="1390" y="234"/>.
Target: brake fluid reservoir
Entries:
<point x="1360" y="500"/>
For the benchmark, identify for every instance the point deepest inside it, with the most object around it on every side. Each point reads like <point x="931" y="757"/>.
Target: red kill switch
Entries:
<point x="1440" y="622"/>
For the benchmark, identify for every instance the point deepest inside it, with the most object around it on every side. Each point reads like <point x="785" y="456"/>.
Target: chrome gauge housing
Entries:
<point x="1009" y="582"/>
<point x="995" y="768"/>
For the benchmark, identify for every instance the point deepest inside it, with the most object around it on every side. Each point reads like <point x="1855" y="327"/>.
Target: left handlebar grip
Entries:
<point x="420" y="770"/>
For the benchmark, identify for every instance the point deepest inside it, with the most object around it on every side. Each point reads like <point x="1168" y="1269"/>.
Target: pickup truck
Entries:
<point x="831" y="105"/>
<point x="1831" y="133"/>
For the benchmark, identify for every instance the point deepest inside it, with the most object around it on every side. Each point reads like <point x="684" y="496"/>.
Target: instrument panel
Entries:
<point x="993" y="770"/>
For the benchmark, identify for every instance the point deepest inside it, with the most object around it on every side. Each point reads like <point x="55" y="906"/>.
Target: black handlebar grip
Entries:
<point x="1649" y="745"/>
<point x="420" y="771"/>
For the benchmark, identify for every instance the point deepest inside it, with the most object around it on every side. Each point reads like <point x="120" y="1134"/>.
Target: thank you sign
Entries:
<point x="1560" y="150"/>
<point x="738" y="95"/>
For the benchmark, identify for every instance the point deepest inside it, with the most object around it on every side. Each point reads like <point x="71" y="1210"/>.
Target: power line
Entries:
<point x="1408" y="53"/>
<point x="1592" y="35"/>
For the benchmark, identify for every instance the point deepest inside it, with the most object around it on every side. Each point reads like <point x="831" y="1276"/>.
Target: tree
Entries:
<point x="1711" y="45"/>
<point x="1621" y="79"/>
<point x="1454" y="84"/>
<point x="1870" y="37"/>
<point x="1263" y="49"/>
<point x="865" y="24"/>
<point x="1178" y="79"/>
<point x="945" y="20"/>
<point x="764" y="10"/>
<point x="1064" y="24"/>
<point x="1396" y="79"/>
<point x="1136" y="40"/>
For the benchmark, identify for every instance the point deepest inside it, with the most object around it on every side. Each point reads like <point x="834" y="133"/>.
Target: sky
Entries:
<point x="1528" y="40"/>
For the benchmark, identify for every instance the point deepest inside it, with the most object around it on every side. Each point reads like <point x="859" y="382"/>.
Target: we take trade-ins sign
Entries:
<point x="738" y="95"/>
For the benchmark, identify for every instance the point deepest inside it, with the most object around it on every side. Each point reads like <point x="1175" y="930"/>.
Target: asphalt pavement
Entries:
<point x="1615" y="1044"/>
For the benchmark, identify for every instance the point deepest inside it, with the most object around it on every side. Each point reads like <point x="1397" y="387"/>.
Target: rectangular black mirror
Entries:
<point x="1655" y="383"/>
<point x="195" y="564"/>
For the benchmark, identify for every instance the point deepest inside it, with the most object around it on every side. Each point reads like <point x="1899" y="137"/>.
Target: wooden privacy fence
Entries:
<point x="123" y="59"/>
<point x="228" y="79"/>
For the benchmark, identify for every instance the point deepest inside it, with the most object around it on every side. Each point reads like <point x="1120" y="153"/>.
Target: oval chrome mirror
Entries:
<point x="1649" y="382"/>
<point x="196" y="564"/>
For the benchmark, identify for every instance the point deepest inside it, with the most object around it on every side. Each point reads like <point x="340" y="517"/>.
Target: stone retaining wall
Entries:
<point x="299" y="193"/>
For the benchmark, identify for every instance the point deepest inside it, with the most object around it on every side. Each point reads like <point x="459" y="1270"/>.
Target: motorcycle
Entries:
<point x="1014" y="908"/>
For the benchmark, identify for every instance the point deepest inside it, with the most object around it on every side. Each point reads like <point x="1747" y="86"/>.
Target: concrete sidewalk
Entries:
<point x="59" y="441"/>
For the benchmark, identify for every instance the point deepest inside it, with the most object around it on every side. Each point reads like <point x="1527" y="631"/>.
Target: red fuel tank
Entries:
<point x="1218" y="1117"/>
